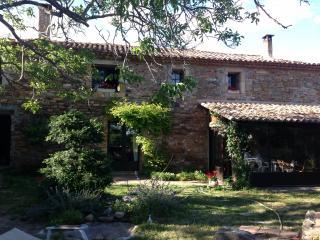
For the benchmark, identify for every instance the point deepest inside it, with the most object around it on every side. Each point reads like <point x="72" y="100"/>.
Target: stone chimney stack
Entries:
<point x="44" y="21"/>
<point x="267" y="41"/>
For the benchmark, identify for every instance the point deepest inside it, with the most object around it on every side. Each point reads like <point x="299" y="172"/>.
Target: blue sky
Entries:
<point x="299" y="42"/>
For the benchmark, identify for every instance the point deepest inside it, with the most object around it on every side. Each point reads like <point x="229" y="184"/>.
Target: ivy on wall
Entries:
<point x="150" y="121"/>
<point x="237" y="143"/>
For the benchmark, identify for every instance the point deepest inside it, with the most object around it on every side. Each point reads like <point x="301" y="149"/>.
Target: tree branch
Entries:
<point x="260" y="6"/>
<point x="21" y="3"/>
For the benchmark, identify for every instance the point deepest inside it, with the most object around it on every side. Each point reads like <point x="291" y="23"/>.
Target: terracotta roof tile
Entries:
<point x="189" y="55"/>
<point x="261" y="111"/>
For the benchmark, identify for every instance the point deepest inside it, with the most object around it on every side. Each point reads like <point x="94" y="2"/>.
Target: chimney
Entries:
<point x="44" y="21"/>
<point x="267" y="40"/>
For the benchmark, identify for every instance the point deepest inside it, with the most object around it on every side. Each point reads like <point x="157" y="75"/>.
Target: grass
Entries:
<point x="207" y="211"/>
<point x="17" y="192"/>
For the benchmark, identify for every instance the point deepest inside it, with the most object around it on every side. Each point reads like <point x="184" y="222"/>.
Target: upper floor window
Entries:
<point x="176" y="76"/>
<point x="105" y="77"/>
<point x="234" y="81"/>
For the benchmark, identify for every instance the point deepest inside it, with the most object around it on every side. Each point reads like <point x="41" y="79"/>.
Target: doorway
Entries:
<point x="5" y="139"/>
<point x="218" y="159"/>
<point x="122" y="148"/>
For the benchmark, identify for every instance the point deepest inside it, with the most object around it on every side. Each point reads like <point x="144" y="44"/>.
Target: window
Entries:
<point x="233" y="81"/>
<point x="176" y="76"/>
<point x="105" y="77"/>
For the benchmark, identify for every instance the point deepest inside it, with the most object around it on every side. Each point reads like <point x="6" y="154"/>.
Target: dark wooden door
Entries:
<point x="122" y="148"/>
<point x="5" y="139"/>
<point x="218" y="159"/>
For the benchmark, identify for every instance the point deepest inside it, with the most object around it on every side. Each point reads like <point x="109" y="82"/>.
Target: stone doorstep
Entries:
<point x="270" y="232"/>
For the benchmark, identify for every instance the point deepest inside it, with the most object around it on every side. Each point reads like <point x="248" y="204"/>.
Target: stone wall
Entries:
<point x="188" y="141"/>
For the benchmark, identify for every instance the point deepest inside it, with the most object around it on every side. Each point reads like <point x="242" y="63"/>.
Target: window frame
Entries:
<point x="236" y="87"/>
<point x="179" y="72"/>
<point x="116" y="79"/>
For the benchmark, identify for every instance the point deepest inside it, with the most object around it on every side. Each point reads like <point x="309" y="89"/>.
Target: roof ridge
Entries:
<point x="257" y="102"/>
<point x="192" y="55"/>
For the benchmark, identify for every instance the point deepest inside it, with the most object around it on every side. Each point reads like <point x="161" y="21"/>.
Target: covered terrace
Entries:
<point x="285" y="145"/>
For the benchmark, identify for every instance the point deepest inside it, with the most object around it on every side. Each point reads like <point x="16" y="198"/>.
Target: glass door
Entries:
<point x="122" y="148"/>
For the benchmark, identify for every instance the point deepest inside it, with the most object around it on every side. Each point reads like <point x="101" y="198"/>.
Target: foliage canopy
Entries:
<point x="149" y="118"/>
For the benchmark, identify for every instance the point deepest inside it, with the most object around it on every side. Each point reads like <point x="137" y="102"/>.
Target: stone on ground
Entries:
<point x="119" y="215"/>
<point x="89" y="218"/>
<point x="311" y="226"/>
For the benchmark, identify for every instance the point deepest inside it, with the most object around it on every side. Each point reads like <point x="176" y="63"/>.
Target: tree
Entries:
<point x="157" y="24"/>
<point x="80" y="164"/>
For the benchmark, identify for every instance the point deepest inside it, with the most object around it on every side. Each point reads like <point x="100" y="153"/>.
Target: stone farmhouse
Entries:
<point x="278" y="100"/>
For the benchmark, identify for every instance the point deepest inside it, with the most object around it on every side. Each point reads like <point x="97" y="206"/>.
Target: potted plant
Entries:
<point x="212" y="178"/>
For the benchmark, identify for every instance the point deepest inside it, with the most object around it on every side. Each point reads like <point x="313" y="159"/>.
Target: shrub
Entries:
<point x="122" y="206"/>
<point x="78" y="169"/>
<point x="182" y="176"/>
<point x="61" y="200"/>
<point x="164" y="176"/>
<point x="155" y="156"/>
<point x="185" y="176"/>
<point x="70" y="216"/>
<point x="81" y="164"/>
<point x="154" y="198"/>
<point x="191" y="176"/>
<point x="74" y="129"/>
<point x="84" y="200"/>
<point x="199" y="176"/>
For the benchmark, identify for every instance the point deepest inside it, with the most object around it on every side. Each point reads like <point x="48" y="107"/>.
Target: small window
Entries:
<point x="176" y="76"/>
<point x="105" y="77"/>
<point x="233" y="81"/>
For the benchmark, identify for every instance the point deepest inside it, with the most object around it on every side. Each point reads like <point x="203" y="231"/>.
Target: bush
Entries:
<point x="154" y="198"/>
<point x="70" y="216"/>
<point x="78" y="169"/>
<point x="164" y="176"/>
<point x="185" y="176"/>
<point x="200" y="176"/>
<point x="61" y="200"/>
<point x="155" y="154"/>
<point x="84" y="200"/>
<point x="182" y="176"/>
<point x="81" y="164"/>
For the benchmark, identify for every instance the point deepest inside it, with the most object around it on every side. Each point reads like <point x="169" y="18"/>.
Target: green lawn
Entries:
<point x="205" y="211"/>
<point x="208" y="210"/>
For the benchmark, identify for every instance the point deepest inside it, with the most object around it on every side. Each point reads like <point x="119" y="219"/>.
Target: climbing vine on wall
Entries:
<point x="150" y="121"/>
<point x="237" y="143"/>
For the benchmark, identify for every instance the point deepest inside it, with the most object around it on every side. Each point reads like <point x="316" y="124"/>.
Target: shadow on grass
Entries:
<point x="243" y="208"/>
<point x="17" y="191"/>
